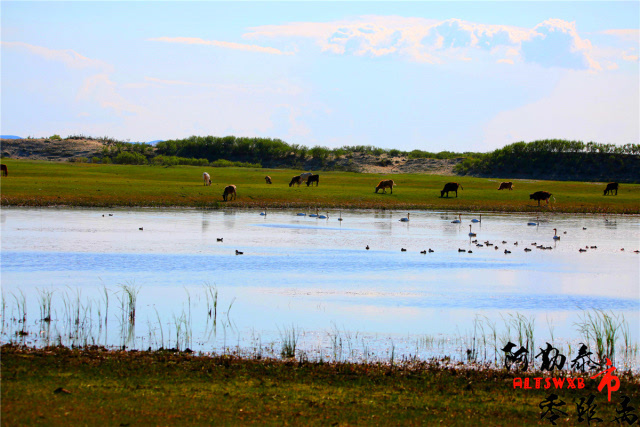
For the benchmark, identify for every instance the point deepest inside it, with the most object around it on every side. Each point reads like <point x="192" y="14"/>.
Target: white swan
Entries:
<point x="470" y="232"/>
<point x="405" y="219"/>
<point x="556" y="237"/>
<point x="534" y="223"/>
<point x="477" y="220"/>
<point x="457" y="221"/>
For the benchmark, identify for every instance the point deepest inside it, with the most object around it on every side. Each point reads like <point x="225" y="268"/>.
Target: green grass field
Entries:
<point x="169" y="388"/>
<point x="41" y="183"/>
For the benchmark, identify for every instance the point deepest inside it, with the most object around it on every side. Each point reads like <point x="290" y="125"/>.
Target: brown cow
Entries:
<point x="229" y="191"/>
<point x="611" y="187"/>
<point x="312" y="179"/>
<point x="267" y="179"/>
<point x="450" y="186"/>
<point x="5" y="171"/>
<point x="540" y="195"/>
<point x="506" y="186"/>
<point x="295" y="180"/>
<point x="385" y="184"/>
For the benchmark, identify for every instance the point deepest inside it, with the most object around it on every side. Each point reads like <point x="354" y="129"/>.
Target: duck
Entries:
<point x="527" y="249"/>
<point x="367" y="248"/>
<point x="239" y="253"/>
<point x="457" y="221"/>
<point x="472" y="234"/>
<point x="140" y="228"/>
<point x="584" y="228"/>
<point x="582" y="250"/>
<point x="556" y="237"/>
<point x="477" y="220"/>
<point x="403" y="250"/>
<point x="405" y="219"/>
<point x="496" y="248"/>
<point x="423" y="252"/>
<point x="219" y="239"/>
<point x="461" y="250"/>
<point x="515" y="243"/>
<point x="507" y="252"/>
<point x="534" y="223"/>
<point x="469" y="252"/>
<point x="431" y="250"/>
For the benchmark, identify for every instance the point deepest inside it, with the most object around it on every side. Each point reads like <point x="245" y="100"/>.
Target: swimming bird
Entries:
<point x="423" y="252"/>
<point x="301" y="214"/>
<point x="110" y="214"/>
<point x="219" y="239"/>
<point x="238" y="252"/>
<point x="140" y="228"/>
<point x="264" y="213"/>
<point x="431" y="250"/>
<point x="527" y="250"/>
<point x="315" y="215"/>
<point x="461" y="250"/>
<point x="405" y="219"/>
<point x="496" y="248"/>
<point x="403" y="250"/>
<point x="556" y="237"/>
<point x="469" y="252"/>
<point x="477" y="220"/>
<point x="471" y="233"/>
<point x="534" y="223"/>
<point x="323" y="216"/>
<point x="507" y="252"/>
<point x="515" y="243"/>
<point x="367" y="248"/>
<point x="457" y="221"/>
<point x="582" y="250"/>
<point x="340" y="217"/>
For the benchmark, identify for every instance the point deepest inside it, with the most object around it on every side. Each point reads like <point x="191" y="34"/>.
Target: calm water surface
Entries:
<point x="315" y="275"/>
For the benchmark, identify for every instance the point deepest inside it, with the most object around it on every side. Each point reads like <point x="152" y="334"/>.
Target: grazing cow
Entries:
<point x="305" y="176"/>
<point x="611" y="187"/>
<point x="540" y="195"/>
<point x="229" y="192"/>
<point x="295" y="180"/>
<point x="450" y="186"/>
<point x="385" y="184"/>
<point x="5" y="171"/>
<point x="206" y="178"/>
<point x="312" y="179"/>
<point x="506" y="186"/>
<point x="268" y="179"/>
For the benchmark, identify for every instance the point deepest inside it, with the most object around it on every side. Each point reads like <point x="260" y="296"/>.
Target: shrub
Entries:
<point x="55" y="138"/>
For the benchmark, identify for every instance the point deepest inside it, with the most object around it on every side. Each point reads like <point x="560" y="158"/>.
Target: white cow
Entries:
<point x="206" y="178"/>
<point x="304" y="177"/>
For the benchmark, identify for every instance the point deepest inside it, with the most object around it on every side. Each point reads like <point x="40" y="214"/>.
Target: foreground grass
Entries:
<point x="39" y="183"/>
<point x="166" y="388"/>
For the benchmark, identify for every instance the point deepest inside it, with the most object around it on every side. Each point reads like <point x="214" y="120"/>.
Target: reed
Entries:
<point x="45" y="297"/>
<point x="289" y="341"/>
<point x="603" y="330"/>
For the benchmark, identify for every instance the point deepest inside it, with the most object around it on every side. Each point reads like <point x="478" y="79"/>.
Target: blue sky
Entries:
<point x="461" y="76"/>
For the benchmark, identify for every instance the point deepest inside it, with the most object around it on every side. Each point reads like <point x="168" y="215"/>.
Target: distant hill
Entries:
<point x="10" y="137"/>
<point x="155" y="141"/>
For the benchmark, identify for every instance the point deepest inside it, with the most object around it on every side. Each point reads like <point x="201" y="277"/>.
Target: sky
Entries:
<point x="433" y="76"/>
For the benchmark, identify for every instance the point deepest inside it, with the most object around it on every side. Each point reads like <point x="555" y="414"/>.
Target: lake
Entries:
<point x="313" y="280"/>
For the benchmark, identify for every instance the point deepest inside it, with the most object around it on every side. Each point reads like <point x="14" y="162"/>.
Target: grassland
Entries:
<point x="41" y="183"/>
<point x="169" y="388"/>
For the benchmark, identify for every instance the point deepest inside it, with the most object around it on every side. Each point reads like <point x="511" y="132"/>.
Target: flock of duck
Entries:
<point x="456" y="221"/>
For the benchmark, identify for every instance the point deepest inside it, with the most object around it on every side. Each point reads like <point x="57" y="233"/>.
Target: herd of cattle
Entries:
<point x="309" y="178"/>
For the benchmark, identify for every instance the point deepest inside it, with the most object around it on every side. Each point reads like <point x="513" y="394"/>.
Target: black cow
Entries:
<point x="540" y="195"/>
<point x="450" y="186"/>
<point x="312" y="179"/>
<point x="295" y="180"/>
<point x="611" y="187"/>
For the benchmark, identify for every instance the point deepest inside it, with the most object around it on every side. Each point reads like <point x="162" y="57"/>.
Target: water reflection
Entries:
<point x="316" y="273"/>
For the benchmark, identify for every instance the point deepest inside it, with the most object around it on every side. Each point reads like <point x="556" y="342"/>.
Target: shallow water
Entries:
<point x="316" y="275"/>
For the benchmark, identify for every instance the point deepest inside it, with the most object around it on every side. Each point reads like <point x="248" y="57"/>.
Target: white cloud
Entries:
<point x="99" y="88"/>
<point x="627" y="34"/>
<point x="552" y="43"/>
<point x="582" y="106"/>
<point x="68" y="57"/>
<point x="226" y="45"/>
